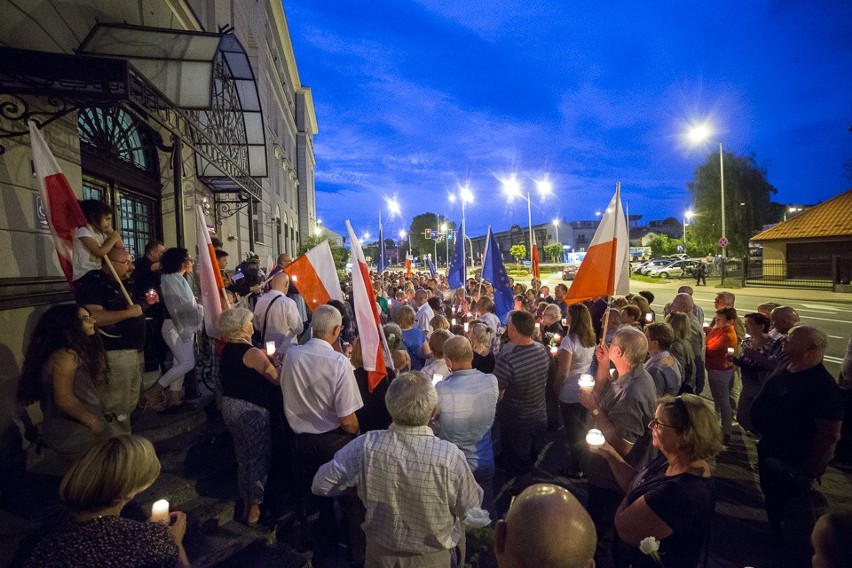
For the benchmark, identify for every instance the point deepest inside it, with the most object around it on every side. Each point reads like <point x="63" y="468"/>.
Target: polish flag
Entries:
<point x="213" y="296"/>
<point x="315" y="276"/>
<point x="605" y="269"/>
<point x="373" y="342"/>
<point x="408" y="268"/>
<point x="536" y="268"/>
<point x="58" y="201"/>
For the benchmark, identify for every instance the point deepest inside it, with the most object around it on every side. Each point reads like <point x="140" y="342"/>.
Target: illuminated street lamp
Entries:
<point x="512" y="189"/>
<point x="701" y="133"/>
<point x="687" y="215"/>
<point x="445" y="230"/>
<point x="556" y="225"/>
<point x="465" y="195"/>
<point x="402" y="235"/>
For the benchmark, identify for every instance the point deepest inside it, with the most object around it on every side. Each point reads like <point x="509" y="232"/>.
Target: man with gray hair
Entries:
<point x="320" y="400"/>
<point x="425" y="313"/>
<point x="467" y="401"/>
<point x="416" y="488"/>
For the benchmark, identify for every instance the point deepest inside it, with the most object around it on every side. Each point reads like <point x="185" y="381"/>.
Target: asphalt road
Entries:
<point x="830" y="312"/>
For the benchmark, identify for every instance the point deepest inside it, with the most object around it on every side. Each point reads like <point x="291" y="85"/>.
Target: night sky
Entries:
<point x="415" y="97"/>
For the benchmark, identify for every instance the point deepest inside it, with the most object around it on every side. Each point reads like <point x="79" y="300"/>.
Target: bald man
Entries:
<point x="545" y="527"/>
<point x="276" y="316"/>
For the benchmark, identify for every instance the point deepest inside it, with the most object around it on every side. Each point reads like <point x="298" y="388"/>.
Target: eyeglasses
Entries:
<point x="125" y="262"/>
<point x="654" y="423"/>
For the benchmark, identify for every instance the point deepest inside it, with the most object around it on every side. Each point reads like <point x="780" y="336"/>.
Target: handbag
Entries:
<point x="257" y="338"/>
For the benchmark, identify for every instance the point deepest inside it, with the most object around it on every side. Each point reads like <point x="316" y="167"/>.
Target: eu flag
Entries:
<point x="494" y="271"/>
<point x="457" y="273"/>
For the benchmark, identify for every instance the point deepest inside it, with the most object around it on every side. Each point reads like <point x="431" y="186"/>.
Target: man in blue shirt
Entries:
<point x="467" y="400"/>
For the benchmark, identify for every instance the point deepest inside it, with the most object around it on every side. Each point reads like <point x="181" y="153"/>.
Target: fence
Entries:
<point x="818" y="274"/>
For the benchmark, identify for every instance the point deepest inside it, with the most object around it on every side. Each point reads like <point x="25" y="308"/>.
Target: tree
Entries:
<point x="518" y="251"/>
<point x="554" y="251"/>
<point x="419" y="244"/>
<point x="339" y="253"/>
<point x="662" y="245"/>
<point x="747" y="202"/>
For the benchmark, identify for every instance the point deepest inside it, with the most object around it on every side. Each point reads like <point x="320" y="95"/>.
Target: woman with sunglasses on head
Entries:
<point x="673" y="499"/>
<point x="65" y="362"/>
<point x="182" y="320"/>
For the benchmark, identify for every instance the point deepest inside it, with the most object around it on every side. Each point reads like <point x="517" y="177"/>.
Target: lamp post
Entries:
<point x="556" y="225"/>
<point x="465" y="195"/>
<point x="512" y="189"/>
<point x="687" y="215"/>
<point x="402" y="235"/>
<point x="393" y="210"/>
<point x="701" y="133"/>
<point x="444" y="231"/>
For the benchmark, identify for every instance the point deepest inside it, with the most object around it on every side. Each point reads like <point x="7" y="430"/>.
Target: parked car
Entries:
<point x="651" y="264"/>
<point x="671" y="270"/>
<point x="569" y="271"/>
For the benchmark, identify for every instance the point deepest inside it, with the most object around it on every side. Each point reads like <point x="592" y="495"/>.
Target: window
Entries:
<point x="95" y="189"/>
<point x="137" y="222"/>
<point x="112" y="132"/>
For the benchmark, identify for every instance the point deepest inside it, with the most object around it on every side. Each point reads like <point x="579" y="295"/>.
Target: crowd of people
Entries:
<point x="411" y="461"/>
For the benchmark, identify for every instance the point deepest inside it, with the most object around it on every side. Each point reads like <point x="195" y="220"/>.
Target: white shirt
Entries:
<point x="82" y="260"/>
<point x="581" y="360"/>
<point x="416" y="487"/>
<point x="423" y="318"/>
<point x="285" y="323"/>
<point x="437" y="367"/>
<point x="319" y="387"/>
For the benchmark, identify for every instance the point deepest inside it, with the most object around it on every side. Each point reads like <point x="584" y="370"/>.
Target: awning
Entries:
<point x="209" y="76"/>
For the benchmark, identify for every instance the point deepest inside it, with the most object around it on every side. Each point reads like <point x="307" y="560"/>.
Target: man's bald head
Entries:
<point x="783" y="319"/>
<point x="546" y="527"/>
<point x="683" y="303"/>
<point x="280" y="282"/>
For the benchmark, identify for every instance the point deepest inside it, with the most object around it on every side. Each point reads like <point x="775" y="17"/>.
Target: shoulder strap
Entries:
<point x="266" y="318"/>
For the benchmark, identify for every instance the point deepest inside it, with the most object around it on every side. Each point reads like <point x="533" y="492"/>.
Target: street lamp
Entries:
<point x="703" y="133"/>
<point x="512" y="189"/>
<point x="687" y="215"/>
<point x="556" y="225"/>
<point x="465" y="195"/>
<point x="444" y="230"/>
<point x="402" y="235"/>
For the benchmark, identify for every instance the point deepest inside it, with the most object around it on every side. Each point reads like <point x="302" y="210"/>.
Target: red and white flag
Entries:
<point x="210" y="281"/>
<point x="605" y="269"/>
<point x="535" y="264"/>
<point x="315" y="276"/>
<point x="57" y="199"/>
<point x="370" y="332"/>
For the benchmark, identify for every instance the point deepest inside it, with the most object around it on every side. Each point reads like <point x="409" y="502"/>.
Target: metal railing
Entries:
<point x="794" y="274"/>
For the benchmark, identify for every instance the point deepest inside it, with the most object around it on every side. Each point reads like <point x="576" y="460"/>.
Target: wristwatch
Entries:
<point x="596" y="411"/>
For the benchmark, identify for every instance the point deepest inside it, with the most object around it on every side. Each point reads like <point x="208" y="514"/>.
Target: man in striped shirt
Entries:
<point x="521" y="372"/>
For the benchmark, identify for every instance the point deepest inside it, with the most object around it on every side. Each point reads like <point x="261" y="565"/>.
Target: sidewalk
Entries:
<point x="714" y="284"/>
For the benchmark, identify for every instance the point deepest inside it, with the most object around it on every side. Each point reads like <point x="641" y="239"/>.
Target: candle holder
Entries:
<point x="160" y="512"/>
<point x="270" y="348"/>
<point x="595" y="438"/>
<point x="587" y="383"/>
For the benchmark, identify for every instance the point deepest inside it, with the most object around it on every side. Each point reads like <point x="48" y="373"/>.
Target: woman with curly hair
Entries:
<point x="64" y="365"/>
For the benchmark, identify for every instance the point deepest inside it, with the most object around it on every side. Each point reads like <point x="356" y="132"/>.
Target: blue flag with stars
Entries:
<point x="432" y="270"/>
<point x="494" y="271"/>
<point x="457" y="273"/>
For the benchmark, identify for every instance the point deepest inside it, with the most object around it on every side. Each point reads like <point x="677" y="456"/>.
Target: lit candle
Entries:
<point x="537" y="326"/>
<point x="160" y="512"/>
<point x="649" y="317"/>
<point x="564" y="322"/>
<point x="557" y="338"/>
<point x="587" y="383"/>
<point x="294" y="278"/>
<point x="554" y="350"/>
<point x="466" y="326"/>
<point x="595" y="438"/>
<point x="454" y="321"/>
<point x="270" y="347"/>
<point x="612" y="373"/>
<point x="731" y="351"/>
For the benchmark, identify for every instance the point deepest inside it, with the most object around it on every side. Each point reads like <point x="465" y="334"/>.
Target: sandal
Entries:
<point x="154" y="398"/>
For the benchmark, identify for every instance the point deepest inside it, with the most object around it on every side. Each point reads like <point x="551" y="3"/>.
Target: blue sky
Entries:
<point x="414" y="97"/>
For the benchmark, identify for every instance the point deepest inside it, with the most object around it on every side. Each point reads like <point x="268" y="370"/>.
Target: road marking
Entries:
<point x="823" y="319"/>
<point x="837" y="337"/>
<point x="835" y="360"/>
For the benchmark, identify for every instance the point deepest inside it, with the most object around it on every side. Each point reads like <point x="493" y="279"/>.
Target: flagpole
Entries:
<point x="612" y="267"/>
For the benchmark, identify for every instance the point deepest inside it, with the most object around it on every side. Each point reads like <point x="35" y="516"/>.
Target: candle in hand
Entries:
<point x="649" y="317"/>
<point x="554" y="350"/>
<point x="587" y="383"/>
<point x="731" y="351"/>
<point x="466" y="326"/>
<point x="270" y="348"/>
<point x="537" y="326"/>
<point x="454" y="321"/>
<point x="595" y="438"/>
<point x="160" y="512"/>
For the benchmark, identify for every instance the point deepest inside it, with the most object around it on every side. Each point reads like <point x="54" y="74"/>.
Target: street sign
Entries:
<point x="723" y="242"/>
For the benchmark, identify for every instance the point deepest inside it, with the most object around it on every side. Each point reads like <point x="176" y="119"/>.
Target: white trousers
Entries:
<point x="183" y="357"/>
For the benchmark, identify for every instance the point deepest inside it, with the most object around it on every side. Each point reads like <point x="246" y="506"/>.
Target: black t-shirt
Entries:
<point x="684" y="502"/>
<point x="101" y="289"/>
<point x="374" y="414"/>
<point x="484" y="363"/>
<point x="786" y="409"/>
<point x="239" y="381"/>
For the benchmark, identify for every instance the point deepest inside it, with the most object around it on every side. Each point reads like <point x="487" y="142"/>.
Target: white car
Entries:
<point x="671" y="270"/>
<point x="652" y="264"/>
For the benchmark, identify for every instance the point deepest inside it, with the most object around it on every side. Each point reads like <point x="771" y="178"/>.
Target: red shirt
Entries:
<point x="718" y="342"/>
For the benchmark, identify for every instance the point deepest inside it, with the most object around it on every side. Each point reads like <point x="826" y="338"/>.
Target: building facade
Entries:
<point x="153" y="107"/>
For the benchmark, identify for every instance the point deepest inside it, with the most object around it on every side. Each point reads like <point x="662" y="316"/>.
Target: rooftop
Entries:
<point x="832" y="218"/>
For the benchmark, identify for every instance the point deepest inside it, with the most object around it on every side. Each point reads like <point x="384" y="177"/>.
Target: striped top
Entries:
<point x="522" y="378"/>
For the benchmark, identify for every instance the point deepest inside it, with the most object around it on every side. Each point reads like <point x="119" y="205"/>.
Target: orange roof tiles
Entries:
<point x="832" y="218"/>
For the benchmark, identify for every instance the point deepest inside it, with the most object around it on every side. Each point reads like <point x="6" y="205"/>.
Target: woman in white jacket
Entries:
<point x="183" y="319"/>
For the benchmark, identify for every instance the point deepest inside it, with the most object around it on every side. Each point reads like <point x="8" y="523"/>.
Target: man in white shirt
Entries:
<point x="424" y="315"/>
<point x="279" y="315"/>
<point x="417" y="488"/>
<point x="320" y="400"/>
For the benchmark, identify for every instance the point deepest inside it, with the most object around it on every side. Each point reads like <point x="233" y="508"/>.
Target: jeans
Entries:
<point x="574" y="419"/>
<point x="720" y="387"/>
<point x="519" y="444"/>
<point x="183" y="356"/>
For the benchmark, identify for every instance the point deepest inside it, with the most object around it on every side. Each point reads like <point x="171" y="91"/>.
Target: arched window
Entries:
<point x="111" y="132"/>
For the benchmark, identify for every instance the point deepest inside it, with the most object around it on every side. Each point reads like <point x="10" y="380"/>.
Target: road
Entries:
<point x="828" y="311"/>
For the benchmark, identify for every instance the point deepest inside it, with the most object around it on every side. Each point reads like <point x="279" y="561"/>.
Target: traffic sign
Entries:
<point x="723" y="242"/>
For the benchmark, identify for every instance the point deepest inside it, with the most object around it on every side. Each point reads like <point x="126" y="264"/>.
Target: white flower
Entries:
<point x="649" y="545"/>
